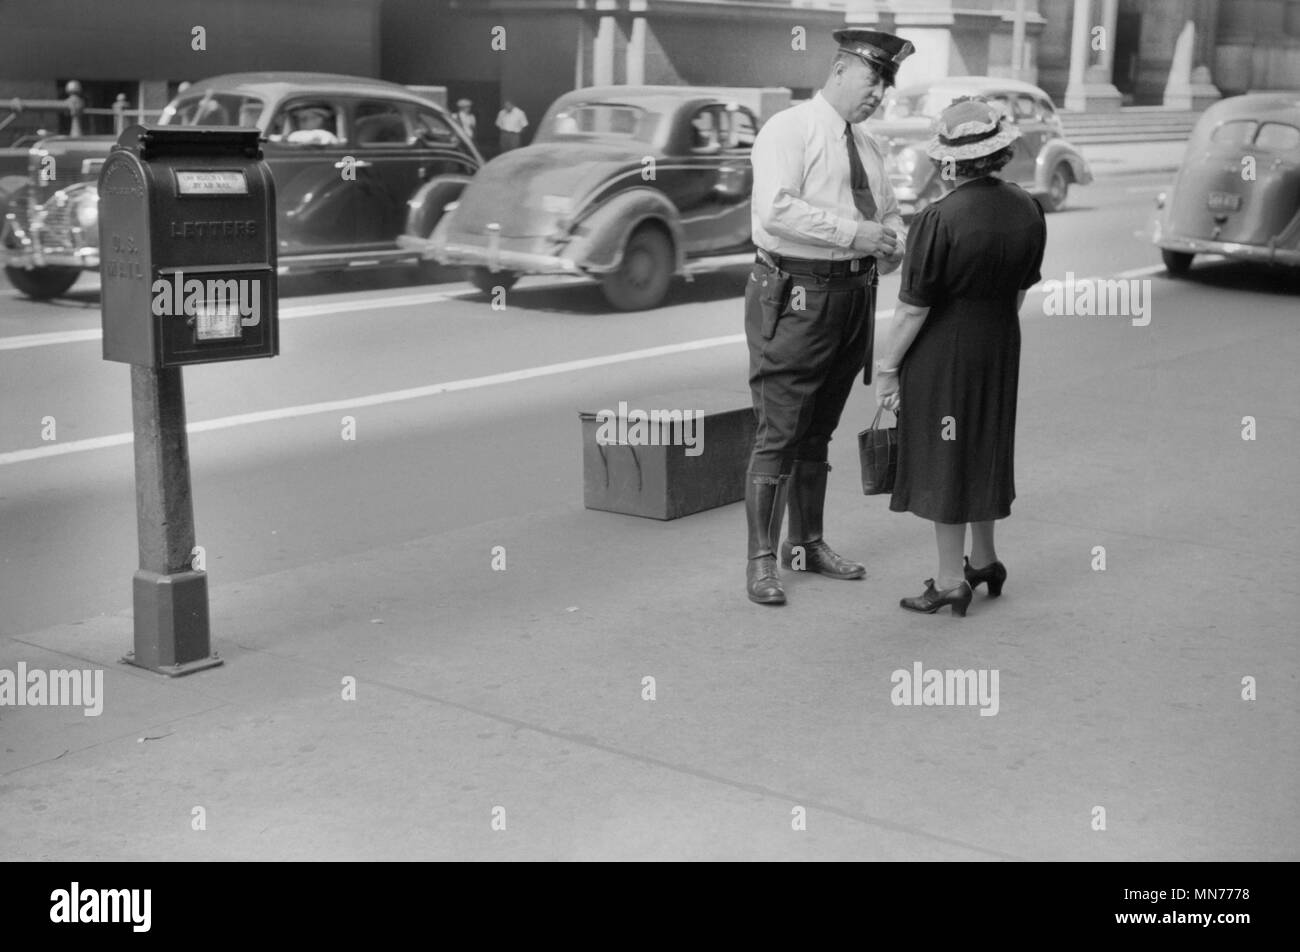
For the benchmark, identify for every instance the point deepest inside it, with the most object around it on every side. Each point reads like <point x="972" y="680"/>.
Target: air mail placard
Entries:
<point x="210" y="182"/>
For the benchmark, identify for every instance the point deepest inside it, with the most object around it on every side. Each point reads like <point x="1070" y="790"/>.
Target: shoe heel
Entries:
<point x="995" y="587"/>
<point x="959" y="609"/>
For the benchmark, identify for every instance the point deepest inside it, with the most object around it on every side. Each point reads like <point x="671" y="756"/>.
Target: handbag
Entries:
<point x="878" y="452"/>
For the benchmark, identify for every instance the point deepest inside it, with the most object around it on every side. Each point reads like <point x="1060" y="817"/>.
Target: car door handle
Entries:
<point x="352" y="163"/>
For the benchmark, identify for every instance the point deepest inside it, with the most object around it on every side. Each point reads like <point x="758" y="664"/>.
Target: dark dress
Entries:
<point x="968" y="255"/>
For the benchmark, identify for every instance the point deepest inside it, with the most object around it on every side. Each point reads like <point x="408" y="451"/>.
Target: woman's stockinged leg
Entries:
<point x="951" y="539"/>
<point x="982" y="553"/>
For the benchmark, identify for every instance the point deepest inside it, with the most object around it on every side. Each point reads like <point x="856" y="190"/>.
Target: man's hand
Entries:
<point x="875" y="239"/>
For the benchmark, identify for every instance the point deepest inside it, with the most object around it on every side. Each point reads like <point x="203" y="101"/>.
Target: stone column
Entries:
<point x="1089" y="89"/>
<point x="602" y="57"/>
<point x="1106" y="57"/>
<point x="636" y="53"/>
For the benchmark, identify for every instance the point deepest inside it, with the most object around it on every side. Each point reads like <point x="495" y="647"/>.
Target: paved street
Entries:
<point x="371" y="558"/>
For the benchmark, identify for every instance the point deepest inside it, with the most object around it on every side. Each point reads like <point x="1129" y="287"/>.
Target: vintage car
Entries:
<point x="346" y="153"/>
<point x="1238" y="191"/>
<point x="1044" y="163"/>
<point x="629" y="184"/>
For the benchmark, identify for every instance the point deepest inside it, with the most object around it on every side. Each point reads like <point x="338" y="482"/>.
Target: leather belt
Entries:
<point x="821" y="267"/>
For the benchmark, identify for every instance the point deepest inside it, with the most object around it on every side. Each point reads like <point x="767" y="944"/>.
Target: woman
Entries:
<point x="949" y="368"/>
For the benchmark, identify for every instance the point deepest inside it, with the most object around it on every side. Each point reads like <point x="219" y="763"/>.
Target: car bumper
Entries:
<point x="494" y="259"/>
<point x="1231" y="249"/>
<point x="30" y="248"/>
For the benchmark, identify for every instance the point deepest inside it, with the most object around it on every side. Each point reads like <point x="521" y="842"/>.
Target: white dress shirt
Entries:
<point x="802" y="199"/>
<point x="514" y="120"/>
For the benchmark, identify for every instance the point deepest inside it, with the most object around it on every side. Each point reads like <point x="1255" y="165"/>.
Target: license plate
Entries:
<point x="1223" y="201"/>
<point x="217" y="321"/>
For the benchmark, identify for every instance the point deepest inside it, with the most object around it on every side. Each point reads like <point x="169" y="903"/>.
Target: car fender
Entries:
<point x="1054" y="153"/>
<point x="600" y="235"/>
<point x="425" y="208"/>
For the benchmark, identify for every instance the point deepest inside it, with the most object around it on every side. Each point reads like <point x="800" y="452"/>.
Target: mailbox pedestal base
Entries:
<point x="171" y="623"/>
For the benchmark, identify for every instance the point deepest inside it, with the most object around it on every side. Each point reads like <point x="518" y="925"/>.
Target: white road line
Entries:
<point x="377" y="399"/>
<point x="20" y="342"/>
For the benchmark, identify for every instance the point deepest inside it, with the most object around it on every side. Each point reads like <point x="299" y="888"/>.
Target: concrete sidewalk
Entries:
<point x="523" y="689"/>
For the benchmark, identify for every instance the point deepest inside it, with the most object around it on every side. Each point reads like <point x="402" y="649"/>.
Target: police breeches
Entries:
<point x="809" y="339"/>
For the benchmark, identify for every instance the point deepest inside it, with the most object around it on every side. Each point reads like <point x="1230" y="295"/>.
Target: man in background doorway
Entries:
<point x="512" y="122"/>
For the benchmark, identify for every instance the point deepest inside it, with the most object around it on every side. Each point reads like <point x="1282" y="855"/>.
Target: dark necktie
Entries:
<point x="858" y="181"/>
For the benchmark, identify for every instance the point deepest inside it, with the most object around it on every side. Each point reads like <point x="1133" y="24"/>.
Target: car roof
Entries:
<point x="1284" y="105"/>
<point x="276" y="85"/>
<point x="982" y="83"/>
<point x="654" y="98"/>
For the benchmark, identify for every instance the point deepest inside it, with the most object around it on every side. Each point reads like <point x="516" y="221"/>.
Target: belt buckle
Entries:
<point x="855" y="265"/>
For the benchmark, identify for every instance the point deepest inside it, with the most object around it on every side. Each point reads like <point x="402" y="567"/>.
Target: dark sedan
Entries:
<point x="347" y="154"/>
<point x="630" y="184"/>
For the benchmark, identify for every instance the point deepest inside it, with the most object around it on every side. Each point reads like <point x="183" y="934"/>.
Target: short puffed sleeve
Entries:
<point x="923" y="265"/>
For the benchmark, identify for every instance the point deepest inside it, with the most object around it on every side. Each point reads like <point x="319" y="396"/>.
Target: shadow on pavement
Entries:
<point x="1243" y="276"/>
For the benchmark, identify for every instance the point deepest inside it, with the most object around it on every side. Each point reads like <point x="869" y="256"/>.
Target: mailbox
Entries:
<point x="187" y="247"/>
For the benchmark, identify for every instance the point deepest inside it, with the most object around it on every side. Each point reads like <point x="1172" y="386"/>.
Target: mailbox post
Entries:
<point x="188" y="267"/>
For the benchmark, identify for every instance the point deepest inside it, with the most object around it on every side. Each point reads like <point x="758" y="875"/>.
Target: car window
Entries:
<point x="212" y="109"/>
<point x="1234" y="132"/>
<point x="1026" y="109"/>
<point x="305" y="123"/>
<point x="580" y="120"/>
<point x="709" y="129"/>
<point x="379" y="123"/>
<point x="743" y="129"/>
<point x="430" y="127"/>
<point x="1046" y="108"/>
<point x="1278" y="137"/>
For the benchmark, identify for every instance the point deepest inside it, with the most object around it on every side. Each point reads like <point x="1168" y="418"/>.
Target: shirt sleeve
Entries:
<point x="923" y="266"/>
<point x="778" y="162"/>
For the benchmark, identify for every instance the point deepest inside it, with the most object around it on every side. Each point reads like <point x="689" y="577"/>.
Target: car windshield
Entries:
<point x="585" y="120"/>
<point x="213" y="109"/>
<point x="929" y="103"/>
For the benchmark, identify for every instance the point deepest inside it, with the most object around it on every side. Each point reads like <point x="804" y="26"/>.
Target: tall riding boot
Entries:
<point x="807" y="500"/>
<point x="764" y="508"/>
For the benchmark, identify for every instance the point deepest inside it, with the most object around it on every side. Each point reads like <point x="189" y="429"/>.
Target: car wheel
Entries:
<point x="1058" y="187"/>
<point x="641" y="281"/>
<point x="42" y="283"/>
<point x="1176" y="262"/>
<point x="488" y="281"/>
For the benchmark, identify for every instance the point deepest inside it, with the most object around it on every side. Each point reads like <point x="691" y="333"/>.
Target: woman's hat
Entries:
<point x="970" y="129"/>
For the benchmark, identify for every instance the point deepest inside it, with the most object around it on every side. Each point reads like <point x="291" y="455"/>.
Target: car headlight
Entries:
<point x="86" y="211"/>
<point x="906" y="160"/>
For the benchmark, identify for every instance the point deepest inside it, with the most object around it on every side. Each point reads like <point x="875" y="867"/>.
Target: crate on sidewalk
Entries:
<point x="667" y="455"/>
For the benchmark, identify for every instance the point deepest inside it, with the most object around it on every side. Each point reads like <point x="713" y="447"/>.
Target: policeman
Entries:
<point x="825" y="221"/>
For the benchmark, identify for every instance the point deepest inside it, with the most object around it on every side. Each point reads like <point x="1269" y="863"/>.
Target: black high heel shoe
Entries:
<point x="994" y="574"/>
<point x="930" y="601"/>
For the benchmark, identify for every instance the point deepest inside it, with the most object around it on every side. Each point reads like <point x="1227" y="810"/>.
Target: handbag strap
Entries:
<point x="875" y="422"/>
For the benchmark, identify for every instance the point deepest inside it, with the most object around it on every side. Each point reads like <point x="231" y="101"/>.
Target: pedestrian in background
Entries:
<point x="466" y="119"/>
<point x="825" y="220"/>
<point x="951" y="365"/>
<point x="76" y="104"/>
<point x="512" y="122"/>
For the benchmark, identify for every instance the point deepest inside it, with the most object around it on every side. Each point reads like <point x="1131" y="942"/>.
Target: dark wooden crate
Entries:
<point x="662" y="481"/>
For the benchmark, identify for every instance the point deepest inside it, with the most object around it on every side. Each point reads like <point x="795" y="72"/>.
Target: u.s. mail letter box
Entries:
<point x="187" y="247"/>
